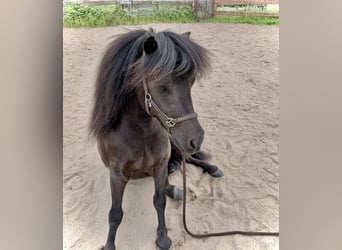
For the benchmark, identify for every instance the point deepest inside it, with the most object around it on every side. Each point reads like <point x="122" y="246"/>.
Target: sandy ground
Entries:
<point x="238" y="106"/>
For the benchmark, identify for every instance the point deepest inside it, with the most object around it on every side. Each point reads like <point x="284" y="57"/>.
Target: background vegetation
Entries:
<point x="269" y="8"/>
<point x="266" y="20"/>
<point x="110" y="15"/>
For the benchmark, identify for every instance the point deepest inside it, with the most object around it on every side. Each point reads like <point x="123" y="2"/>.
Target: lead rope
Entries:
<point x="245" y="233"/>
<point x="251" y="233"/>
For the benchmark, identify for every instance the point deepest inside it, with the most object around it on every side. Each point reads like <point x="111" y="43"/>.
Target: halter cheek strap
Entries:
<point x="166" y="121"/>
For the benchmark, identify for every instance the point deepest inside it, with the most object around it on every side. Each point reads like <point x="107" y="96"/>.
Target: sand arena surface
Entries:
<point x="238" y="106"/>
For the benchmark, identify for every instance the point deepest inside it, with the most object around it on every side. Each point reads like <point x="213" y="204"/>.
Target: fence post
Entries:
<point x="204" y="9"/>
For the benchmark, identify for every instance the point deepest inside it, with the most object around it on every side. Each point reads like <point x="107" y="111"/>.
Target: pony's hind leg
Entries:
<point x="198" y="159"/>
<point x="117" y="186"/>
<point x="201" y="155"/>
<point x="213" y="170"/>
<point x="159" y="201"/>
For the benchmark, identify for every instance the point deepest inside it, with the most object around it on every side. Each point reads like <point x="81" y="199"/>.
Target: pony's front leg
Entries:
<point x="159" y="201"/>
<point x="117" y="186"/>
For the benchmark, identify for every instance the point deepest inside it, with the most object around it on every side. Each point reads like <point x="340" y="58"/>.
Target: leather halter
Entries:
<point x="166" y="121"/>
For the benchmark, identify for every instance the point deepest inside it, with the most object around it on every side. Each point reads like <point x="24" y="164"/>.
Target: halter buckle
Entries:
<point x="170" y="122"/>
<point x="148" y="99"/>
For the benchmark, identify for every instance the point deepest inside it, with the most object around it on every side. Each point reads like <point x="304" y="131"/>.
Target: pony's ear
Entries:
<point x="150" y="45"/>
<point x="187" y="34"/>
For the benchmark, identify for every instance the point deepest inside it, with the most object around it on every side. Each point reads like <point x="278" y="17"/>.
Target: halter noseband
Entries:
<point x="167" y="121"/>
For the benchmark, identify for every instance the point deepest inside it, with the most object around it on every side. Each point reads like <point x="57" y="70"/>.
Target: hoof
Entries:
<point x="177" y="193"/>
<point x="217" y="174"/>
<point x="174" y="192"/>
<point x="163" y="243"/>
<point x="105" y="248"/>
<point x="163" y="249"/>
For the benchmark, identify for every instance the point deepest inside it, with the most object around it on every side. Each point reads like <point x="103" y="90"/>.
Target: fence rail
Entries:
<point x="138" y="2"/>
<point x="245" y="2"/>
<point x="94" y="3"/>
<point x="70" y="2"/>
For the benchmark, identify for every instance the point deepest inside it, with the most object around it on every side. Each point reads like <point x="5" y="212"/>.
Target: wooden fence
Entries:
<point x="133" y="2"/>
<point x="132" y="5"/>
<point x="203" y="9"/>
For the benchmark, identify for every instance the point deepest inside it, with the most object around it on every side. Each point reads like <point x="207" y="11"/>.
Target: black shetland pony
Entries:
<point x="143" y="110"/>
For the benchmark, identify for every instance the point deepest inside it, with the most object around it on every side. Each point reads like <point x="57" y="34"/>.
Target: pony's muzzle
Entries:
<point x="194" y="144"/>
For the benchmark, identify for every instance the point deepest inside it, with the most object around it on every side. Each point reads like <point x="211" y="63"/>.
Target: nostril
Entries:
<point x="193" y="143"/>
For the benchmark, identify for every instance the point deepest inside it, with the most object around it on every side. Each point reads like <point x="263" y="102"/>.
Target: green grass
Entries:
<point x="270" y="8"/>
<point x="260" y="20"/>
<point x="111" y="15"/>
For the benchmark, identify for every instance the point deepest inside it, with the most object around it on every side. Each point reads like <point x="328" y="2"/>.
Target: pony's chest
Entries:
<point x="149" y="149"/>
<point x="148" y="160"/>
<point x="136" y="154"/>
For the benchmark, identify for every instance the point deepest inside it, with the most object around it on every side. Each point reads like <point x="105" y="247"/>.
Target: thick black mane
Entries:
<point x="125" y="65"/>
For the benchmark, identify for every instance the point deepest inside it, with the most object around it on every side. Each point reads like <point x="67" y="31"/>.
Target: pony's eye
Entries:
<point x="162" y="88"/>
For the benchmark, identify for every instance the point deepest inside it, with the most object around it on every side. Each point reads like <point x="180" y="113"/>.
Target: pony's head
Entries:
<point x="159" y="69"/>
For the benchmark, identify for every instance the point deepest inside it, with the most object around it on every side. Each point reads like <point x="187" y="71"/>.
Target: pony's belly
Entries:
<point x="140" y="174"/>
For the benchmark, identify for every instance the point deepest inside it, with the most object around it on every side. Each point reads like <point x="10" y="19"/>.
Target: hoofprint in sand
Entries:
<point x="238" y="106"/>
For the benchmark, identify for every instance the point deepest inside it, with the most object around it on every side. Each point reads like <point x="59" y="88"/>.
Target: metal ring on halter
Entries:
<point x="148" y="99"/>
<point x="170" y="122"/>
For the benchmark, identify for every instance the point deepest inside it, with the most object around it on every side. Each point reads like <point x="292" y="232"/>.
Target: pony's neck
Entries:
<point x="138" y="119"/>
